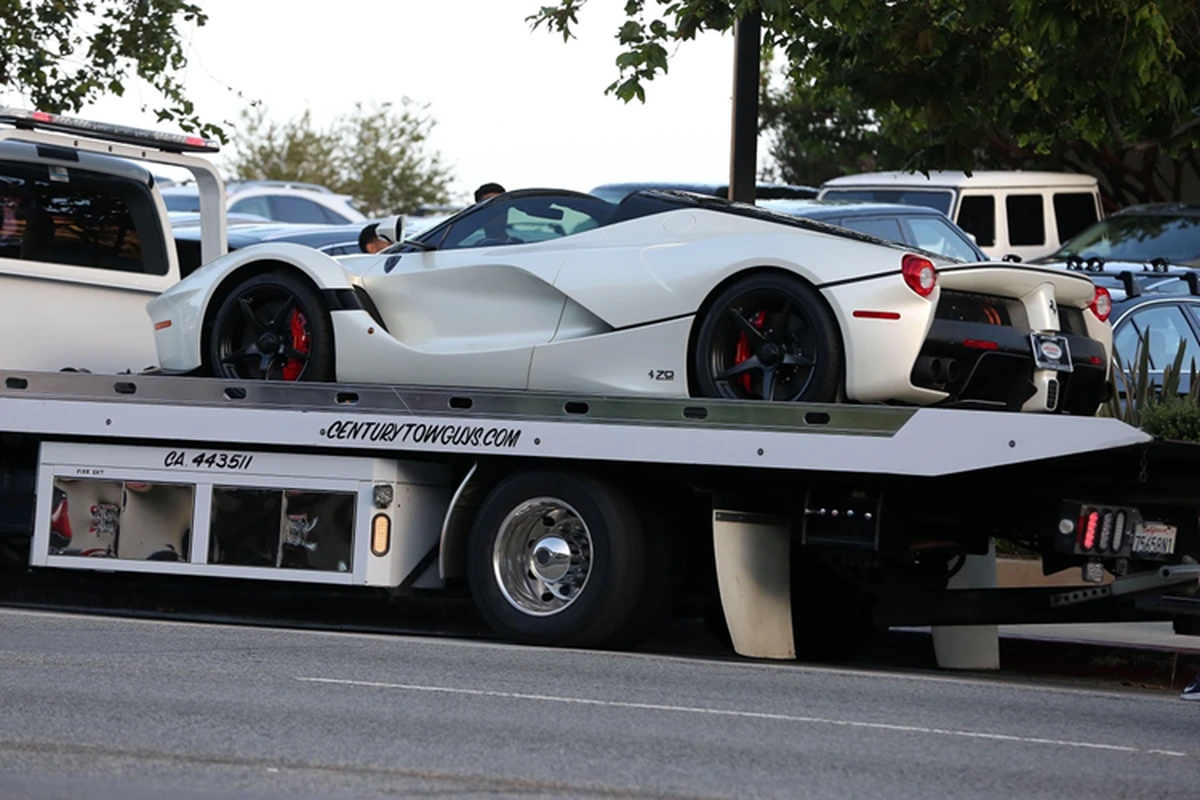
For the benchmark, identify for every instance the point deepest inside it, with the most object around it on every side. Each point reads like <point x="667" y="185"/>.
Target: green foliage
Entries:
<point x="377" y="154"/>
<point x="1160" y="411"/>
<point x="1110" y="87"/>
<point x="67" y="53"/>
<point x="1176" y="418"/>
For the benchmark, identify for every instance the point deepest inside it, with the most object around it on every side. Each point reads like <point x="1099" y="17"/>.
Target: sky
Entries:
<point x="511" y="105"/>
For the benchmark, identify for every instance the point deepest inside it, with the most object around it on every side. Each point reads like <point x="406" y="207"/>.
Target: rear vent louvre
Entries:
<point x="1052" y="395"/>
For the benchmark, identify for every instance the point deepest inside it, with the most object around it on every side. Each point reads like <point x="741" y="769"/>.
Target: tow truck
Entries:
<point x="576" y="520"/>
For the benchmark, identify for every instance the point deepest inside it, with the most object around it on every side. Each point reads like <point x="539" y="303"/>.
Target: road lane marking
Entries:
<point x="763" y="715"/>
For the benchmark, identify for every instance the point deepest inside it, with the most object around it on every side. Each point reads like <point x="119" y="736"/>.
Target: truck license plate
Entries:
<point x="1154" y="538"/>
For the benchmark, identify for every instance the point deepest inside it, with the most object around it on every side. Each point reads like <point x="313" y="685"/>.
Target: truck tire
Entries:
<point x="557" y="558"/>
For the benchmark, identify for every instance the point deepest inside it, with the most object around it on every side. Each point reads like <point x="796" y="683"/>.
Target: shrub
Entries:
<point x="1175" y="417"/>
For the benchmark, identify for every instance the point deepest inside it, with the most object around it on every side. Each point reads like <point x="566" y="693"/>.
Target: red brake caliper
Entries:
<point x="742" y="351"/>
<point x="298" y="327"/>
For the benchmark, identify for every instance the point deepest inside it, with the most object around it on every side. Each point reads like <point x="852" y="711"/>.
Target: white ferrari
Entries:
<point x="664" y="293"/>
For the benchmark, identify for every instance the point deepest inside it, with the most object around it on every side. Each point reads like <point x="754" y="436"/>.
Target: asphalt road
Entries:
<point x="97" y="707"/>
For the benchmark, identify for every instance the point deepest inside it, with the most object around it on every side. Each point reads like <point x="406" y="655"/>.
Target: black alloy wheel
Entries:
<point x="769" y="337"/>
<point x="272" y="326"/>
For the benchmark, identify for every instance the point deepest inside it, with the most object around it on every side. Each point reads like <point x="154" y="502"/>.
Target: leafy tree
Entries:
<point x="1110" y="87"/>
<point x="67" y="53"/>
<point x="377" y="154"/>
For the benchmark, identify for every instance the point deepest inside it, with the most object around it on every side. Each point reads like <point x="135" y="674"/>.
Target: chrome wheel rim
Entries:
<point x="542" y="558"/>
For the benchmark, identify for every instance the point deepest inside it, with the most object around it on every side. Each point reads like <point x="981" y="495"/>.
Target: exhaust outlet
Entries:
<point x="929" y="371"/>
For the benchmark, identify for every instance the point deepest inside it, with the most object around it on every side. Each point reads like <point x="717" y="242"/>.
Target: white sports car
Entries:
<point x="665" y="293"/>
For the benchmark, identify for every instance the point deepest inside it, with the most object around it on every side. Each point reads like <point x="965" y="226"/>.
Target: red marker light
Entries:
<point x="1089" y="536"/>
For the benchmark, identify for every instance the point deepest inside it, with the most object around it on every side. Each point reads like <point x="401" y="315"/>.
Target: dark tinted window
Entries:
<point x="79" y="218"/>
<point x="1125" y="344"/>
<point x="297" y="209"/>
<point x="1139" y="237"/>
<point x="1166" y="327"/>
<point x="259" y="206"/>
<point x="883" y="227"/>
<point x="937" y="235"/>
<point x="1073" y="211"/>
<point x="1026" y="219"/>
<point x="977" y="216"/>
<point x="182" y="202"/>
<point x="932" y="198"/>
<point x="521" y="220"/>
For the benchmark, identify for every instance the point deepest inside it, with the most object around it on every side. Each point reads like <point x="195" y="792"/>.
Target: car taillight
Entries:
<point x="1101" y="304"/>
<point x="919" y="273"/>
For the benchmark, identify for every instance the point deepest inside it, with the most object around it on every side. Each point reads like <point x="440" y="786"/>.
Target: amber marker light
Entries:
<point x="381" y="534"/>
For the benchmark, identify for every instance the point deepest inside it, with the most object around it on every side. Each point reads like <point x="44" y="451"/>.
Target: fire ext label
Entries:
<point x="422" y="433"/>
<point x="206" y="460"/>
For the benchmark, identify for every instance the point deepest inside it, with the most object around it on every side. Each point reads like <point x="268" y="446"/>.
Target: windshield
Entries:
<point x="909" y="197"/>
<point x="1132" y="237"/>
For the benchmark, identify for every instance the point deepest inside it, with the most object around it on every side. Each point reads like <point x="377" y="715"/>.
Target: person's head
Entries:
<point x="369" y="240"/>
<point x="488" y="191"/>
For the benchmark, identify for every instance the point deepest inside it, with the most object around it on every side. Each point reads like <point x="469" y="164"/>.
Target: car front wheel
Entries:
<point x="272" y="326"/>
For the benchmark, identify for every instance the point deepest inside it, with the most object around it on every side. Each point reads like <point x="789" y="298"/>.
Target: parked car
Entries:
<point x="1164" y="232"/>
<point x="916" y="226"/>
<point x="276" y="200"/>
<point x="334" y="240"/>
<point x="666" y="293"/>
<point x="1164" y="322"/>
<point x="1019" y="214"/>
<point x="616" y="192"/>
<point x="1152" y="303"/>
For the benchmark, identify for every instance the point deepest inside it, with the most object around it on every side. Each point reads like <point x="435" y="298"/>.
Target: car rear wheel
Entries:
<point x="272" y="326"/>
<point x="768" y="337"/>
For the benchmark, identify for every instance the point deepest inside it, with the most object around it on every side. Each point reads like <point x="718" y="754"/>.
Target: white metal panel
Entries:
<point x="55" y="322"/>
<point x="416" y="511"/>
<point x="932" y="441"/>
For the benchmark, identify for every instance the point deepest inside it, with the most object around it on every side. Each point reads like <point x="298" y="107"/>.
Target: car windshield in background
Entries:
<point x="1139" y="237"/>
<point x="939" y="199"/>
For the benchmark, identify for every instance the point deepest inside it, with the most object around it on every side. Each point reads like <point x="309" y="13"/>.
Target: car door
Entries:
<point x="81" y="253"/>
<point x="480" y="302"/>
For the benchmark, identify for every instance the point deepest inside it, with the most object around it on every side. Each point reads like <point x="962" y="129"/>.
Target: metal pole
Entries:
<point x="743" y="151"/>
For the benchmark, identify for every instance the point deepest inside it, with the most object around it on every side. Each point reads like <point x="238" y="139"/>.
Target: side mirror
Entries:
<point x="1013" y="257"/>
<point x="391" y="229"/>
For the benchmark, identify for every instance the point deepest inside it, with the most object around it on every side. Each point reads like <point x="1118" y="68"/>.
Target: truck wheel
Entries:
<point x="557" y="559"/>
<point x="272" y="326"/>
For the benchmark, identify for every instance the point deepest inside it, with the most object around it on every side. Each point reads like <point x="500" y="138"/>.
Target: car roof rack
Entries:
<point x="122" y="134"/>
<point x="1154" y="268"/>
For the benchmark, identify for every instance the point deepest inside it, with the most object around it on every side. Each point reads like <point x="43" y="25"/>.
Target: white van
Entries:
<point x="1025" y="214"/>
